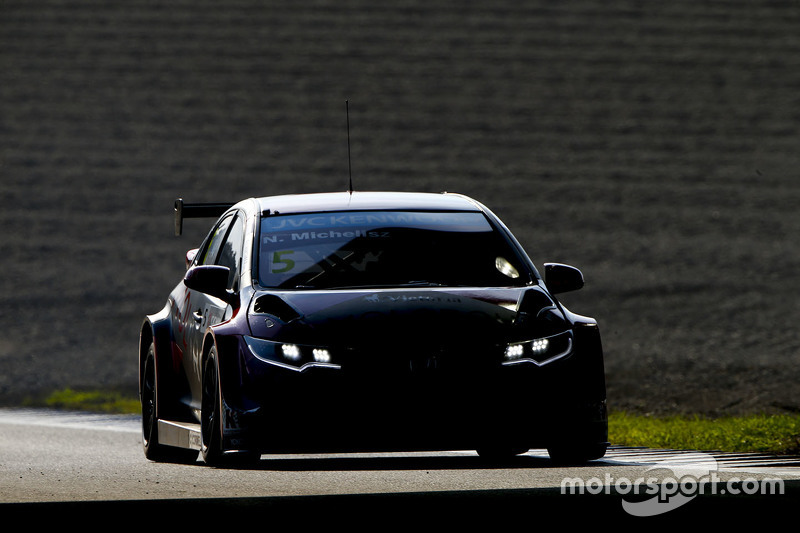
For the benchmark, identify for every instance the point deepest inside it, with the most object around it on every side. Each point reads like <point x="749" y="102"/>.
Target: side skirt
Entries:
<point x="179" y="434"/>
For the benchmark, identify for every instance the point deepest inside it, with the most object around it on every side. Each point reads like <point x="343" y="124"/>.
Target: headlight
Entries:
<point x="539" y="351"/>
<point x="288" y="355"/>
<point x="321" y="355"/>
<point x="291" y="352"/>
<point x="540" y="346"/>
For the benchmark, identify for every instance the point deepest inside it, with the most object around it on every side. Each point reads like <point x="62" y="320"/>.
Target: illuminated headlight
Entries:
<point x="539" y="351"/>
<point x="291" y="356"/>
<point x="321" y="355"/>
<point x="540" y="346"/>
<point x="514" y="351"/>
<point x="291" y="352"/>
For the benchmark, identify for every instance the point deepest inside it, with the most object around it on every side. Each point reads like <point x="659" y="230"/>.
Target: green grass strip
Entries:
<point x="97" y="401"/>
<point x="754" y="433"/>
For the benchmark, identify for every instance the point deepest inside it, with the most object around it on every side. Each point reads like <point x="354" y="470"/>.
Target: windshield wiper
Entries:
<point x="420" y="283"/>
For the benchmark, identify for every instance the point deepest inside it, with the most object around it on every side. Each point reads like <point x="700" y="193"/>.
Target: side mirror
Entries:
<point x="190" y="255"/>
<point x="562" y="278"/>
<point x="209" y="279"/>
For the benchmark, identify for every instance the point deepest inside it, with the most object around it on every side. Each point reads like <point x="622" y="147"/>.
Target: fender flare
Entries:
<point x="157" y="328"/>
<point x="228" y="360"/>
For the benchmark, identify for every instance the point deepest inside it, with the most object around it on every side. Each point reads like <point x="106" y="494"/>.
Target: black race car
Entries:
<point x="361" y="321"/>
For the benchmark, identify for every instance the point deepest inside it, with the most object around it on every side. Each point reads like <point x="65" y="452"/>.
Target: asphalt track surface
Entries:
<point x="77" y="465"/>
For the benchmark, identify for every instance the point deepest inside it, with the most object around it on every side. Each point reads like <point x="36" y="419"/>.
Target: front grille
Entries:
<point x="421" y="362"/>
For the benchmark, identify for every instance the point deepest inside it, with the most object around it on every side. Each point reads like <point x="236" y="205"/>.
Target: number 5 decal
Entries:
<point x="278" y="259"/>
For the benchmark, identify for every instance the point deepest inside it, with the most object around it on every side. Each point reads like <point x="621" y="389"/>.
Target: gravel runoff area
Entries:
<point x="651" y="144"/>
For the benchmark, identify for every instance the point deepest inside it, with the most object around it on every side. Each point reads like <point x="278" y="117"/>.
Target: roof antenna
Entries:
<point x="349" y="160"/>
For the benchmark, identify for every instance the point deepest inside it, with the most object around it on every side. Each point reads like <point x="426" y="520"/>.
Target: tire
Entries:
<point x="211" y="412"/>
<point x="149" y="399"/>
<point x="211" y="447"/>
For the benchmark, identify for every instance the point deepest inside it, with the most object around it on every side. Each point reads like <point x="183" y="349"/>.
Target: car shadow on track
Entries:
<point x="450" y="461"/>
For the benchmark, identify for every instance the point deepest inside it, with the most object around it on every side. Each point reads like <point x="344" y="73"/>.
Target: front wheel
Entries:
<point x="211" y="412"/>
<point x="211" y="447"/>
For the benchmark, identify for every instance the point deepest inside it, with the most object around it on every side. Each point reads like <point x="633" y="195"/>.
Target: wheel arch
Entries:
<point x="209" y="341"/>
<point x="228" y="364"/>
<point x="156" y="329"/>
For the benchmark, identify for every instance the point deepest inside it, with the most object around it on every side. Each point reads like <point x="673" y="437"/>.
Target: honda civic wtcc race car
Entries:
<point x="363" y="321"/>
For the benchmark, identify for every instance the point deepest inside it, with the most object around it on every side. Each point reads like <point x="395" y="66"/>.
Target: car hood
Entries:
<point x="398" y="317"/>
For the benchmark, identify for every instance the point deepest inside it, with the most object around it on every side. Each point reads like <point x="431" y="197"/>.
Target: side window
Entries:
<point x="215" y="241"/>
<point x="231" y="253"/>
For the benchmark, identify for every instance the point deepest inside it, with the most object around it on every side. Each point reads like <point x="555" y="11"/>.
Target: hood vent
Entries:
<point x="269" y="304"/>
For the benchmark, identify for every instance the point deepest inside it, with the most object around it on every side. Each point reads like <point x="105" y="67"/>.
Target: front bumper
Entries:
<point x="415" y="404"/>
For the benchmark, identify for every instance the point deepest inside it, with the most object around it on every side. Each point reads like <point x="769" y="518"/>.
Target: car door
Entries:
<point x="201" y="309"/>
<point x="229" y="255"/>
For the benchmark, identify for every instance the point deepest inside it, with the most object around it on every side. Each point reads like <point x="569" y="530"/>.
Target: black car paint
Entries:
<point x="414" y="390"/>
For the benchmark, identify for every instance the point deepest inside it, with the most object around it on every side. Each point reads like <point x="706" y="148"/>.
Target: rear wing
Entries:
<point x="184" y="210"/>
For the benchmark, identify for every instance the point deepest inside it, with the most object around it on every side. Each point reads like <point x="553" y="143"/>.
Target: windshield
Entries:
<point x="386" y="248"/>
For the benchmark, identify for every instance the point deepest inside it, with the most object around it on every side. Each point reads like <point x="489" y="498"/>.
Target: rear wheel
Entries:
<point x="153" y="450"/>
